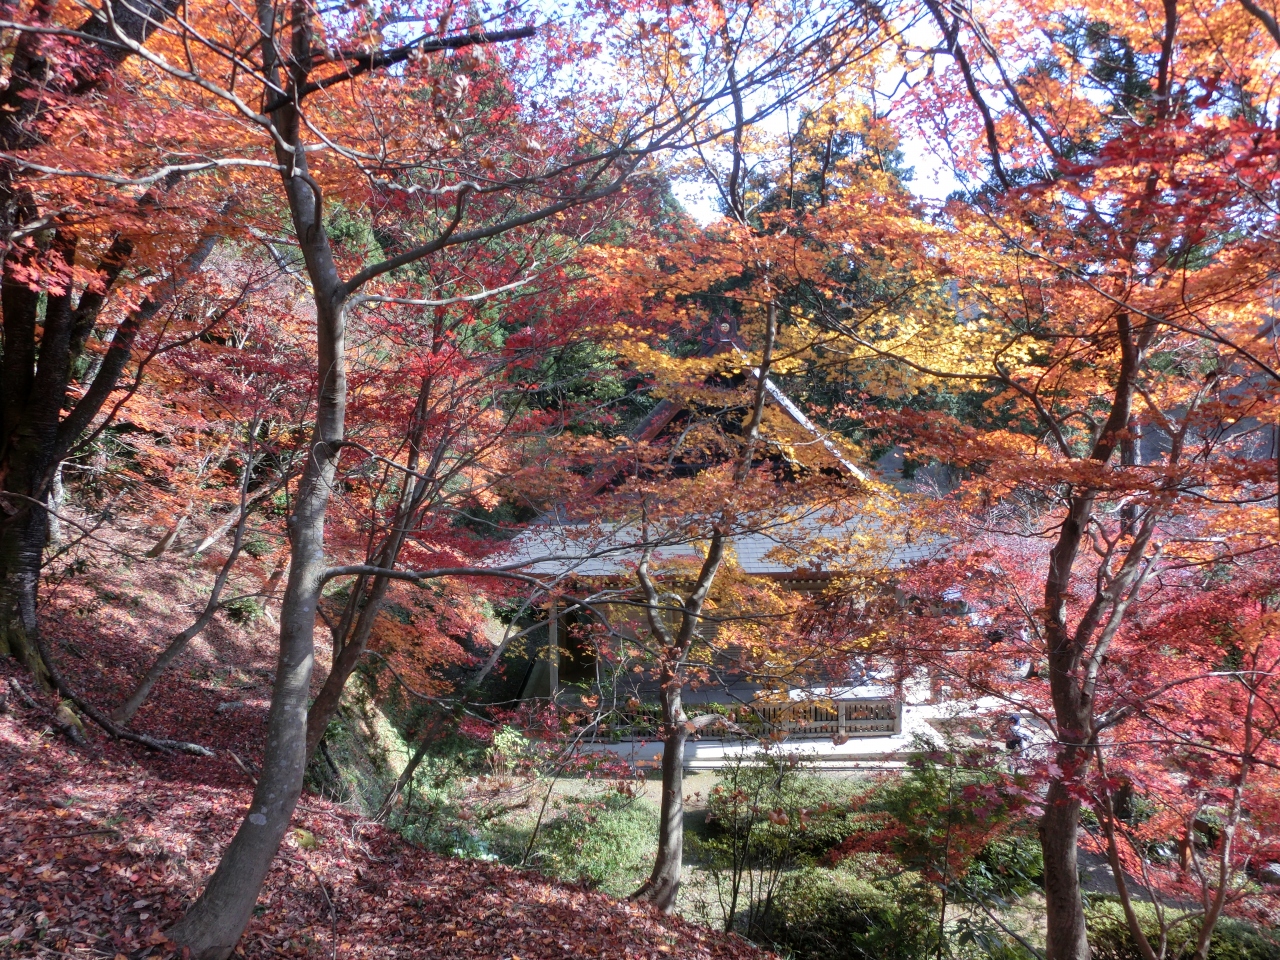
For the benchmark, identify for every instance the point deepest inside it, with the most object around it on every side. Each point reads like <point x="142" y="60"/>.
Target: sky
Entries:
<point x="934" y="179"/>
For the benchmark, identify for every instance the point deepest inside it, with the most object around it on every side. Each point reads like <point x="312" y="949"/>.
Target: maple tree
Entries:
<point x="1087" y="334"/>
<point x="676" y="640"/>
<point x="1105" y="287"/>
<point x="679" y="608"/>
<point x="268" y="94"/>
<point x="61" y="273"/>
<point x="761" y="474"/>
<point x="1102" y="297"/>
<point x="37" y="437"/>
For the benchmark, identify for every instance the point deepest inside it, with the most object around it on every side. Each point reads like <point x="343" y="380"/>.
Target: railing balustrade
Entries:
<point x="851" y="718"/>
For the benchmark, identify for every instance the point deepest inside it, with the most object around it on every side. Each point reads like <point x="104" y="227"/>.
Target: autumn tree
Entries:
<point x="330" y="105"/>
<point x="761" y="273"/>
<point x="1107" y="285"/>
<point x="676" y="621"/>
<point x="680" y="609"/>
<point x="68" y="256"/>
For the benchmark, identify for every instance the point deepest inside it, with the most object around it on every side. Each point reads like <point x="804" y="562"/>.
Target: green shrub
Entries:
<point x="815" y="809"/>
<point x="435" y="813"/>
<point x="953" y="818"/>
<point x="607" y="842"/>
<point x="821" y="914"/>
<point x="767" y="816"/>
<point x="244" y="610"/>
<point x="962" y="817"/>
<point x="1109" y="937"/>
<point x="256" y="545"/>
<point x="511" y="751"/>
<point x="1011" y="866"/>
<point x="279" y="503"/>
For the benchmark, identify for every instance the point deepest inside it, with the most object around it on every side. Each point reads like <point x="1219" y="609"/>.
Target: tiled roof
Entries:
<point x="802" y="543"/>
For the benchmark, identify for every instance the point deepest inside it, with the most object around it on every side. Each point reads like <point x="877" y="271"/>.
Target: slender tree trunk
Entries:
<point x="126" y="711"/>
<point x="1073" y="654"/>
<point x="53" y="525"/>
<point x="425" y="739"/>
<point x="663" y="884"/>
<point x="1060" y="825"/>
<point x="215" y="923"/>
<point x="369" y="598"/>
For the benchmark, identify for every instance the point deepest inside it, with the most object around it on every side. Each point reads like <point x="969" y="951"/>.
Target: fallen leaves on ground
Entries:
<point x="101" y="849"/>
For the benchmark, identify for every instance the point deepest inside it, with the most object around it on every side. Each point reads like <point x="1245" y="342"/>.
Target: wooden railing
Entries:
<point x="850" y="718"/>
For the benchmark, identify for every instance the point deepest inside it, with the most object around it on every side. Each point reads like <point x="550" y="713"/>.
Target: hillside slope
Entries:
<point x="103" y="846"/>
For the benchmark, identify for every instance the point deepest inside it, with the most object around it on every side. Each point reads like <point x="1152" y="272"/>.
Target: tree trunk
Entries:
<point x="326" y="701"/>
<point x="33" y="382"/>
<point x="1059" y="839"/>
<point x="348" y="656"/>
<point x="21" y="547"/>
<point x="23" y="533"/>
<point x="664" y="883"/>
<point x="425" y="739"/>
<point x="368" y="597"/>
<point x="1059" y="827"/>
<point x="53" y="525"/>
<point x="124" y="713"/>
<point x="32" y="406"/>
<point x="213" y="926"/>
<point x="215" y="923"/>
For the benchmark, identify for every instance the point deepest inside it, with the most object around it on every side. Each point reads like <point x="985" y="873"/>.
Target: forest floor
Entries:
<point x="103" y="846"/>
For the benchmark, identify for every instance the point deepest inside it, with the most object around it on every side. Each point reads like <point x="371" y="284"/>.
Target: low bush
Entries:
<point x="957" y="813"/>
<point x="782" y="803"/>
<point x="510" y="753"/>
<point x="765" y="818"/>
<point x="1109" y="937"/>
<point x="257" y="546"/>
<point x="244" y="610"/>
<point x="607" y="842"/>
<point x="821" y="914"/>
<point x="1008" y="867"/>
